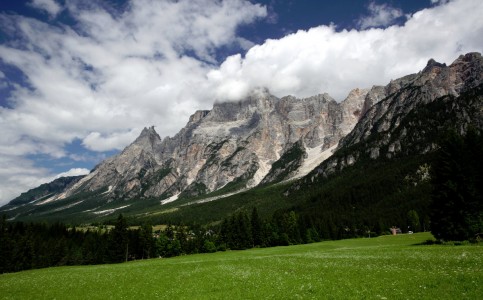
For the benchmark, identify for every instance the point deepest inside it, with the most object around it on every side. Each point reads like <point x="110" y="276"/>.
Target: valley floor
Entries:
<point x="387" y="267"/>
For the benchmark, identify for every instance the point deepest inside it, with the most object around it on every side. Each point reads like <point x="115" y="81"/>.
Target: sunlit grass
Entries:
<point x="389" y="267"/>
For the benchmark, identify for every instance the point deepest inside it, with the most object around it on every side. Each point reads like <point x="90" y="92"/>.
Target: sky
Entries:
<point x="80" y="79"/>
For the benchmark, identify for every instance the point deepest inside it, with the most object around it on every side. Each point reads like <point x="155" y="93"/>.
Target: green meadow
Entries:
<point x="387" y="267"/>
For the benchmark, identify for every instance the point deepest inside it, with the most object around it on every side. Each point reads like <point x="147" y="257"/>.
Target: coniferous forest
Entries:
<point x="26" y="246"/>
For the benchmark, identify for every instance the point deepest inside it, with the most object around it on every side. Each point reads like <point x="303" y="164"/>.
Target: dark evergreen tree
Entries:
<point x="94" y="247"/>
<point x="161" y="245"/>
<point x="457" y="205"/>
<point x="146" y="241"/>
<point x="257" y="229"/>
<point x="169" y="232"/>
<point x="182" y="237"/>
<point x="118" y="241"/>
<point x="5" y="246"/>
<point x="244" y="231"/>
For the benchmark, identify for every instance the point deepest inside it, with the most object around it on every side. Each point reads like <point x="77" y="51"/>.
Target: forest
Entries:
<point x="26" y="246"/>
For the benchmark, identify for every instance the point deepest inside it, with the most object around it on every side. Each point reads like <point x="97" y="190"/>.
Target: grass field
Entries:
<point x="388" y="267"/>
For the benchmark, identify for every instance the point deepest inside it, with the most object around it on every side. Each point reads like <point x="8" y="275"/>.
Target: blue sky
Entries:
<point x="80" y="79"/>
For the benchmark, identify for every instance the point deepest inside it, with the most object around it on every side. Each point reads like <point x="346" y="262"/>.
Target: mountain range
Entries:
<point x="290" y="147"/>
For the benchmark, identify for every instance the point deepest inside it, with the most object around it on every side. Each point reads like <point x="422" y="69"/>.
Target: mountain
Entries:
<point x="235" y="142"/>
<point x="45" y="190"/>
<point x="403" y="124"/>
<point x="263" y="140"/>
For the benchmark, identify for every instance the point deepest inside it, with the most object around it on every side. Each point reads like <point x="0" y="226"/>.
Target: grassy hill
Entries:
<point x="387" y="267"/>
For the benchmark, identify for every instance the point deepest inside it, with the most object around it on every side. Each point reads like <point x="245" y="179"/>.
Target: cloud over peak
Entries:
<point x="323" y="59"/>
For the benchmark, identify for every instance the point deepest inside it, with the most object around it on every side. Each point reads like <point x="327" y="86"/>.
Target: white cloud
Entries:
<point x="97" y="142"/>
<point x="323" y="59"/>
<point x="110" y="74"/>
<point x="381" y="15"/>
<point x="3" y="83"/>
<point x="49" y="6"/>
<point x="73" y="172"/>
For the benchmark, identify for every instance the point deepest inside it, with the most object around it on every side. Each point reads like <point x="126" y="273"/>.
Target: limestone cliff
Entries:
<point x="235" y="142"/>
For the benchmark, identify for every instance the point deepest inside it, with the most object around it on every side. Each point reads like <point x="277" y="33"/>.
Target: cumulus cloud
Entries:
<point x="323" y="59"/>
<point x="380" y="15"/>
<point x="49" y="6"/>
<point x="103" y="79"/>
<point x="96" y="142"/>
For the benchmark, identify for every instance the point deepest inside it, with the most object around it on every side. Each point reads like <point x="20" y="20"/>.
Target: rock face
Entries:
<point x="392" y="116"/>
<point x="235" y="142"/>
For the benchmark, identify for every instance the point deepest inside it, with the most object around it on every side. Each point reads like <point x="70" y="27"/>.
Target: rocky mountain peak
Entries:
<point x="471" y="57"/>
<point x="198" y="116"/>
<point x="148" y="138"/>
<point x="356" y="94"/>
<point x="375" y="94"/>
<point x="432" y="64"/>
<point x="148" y="132"/>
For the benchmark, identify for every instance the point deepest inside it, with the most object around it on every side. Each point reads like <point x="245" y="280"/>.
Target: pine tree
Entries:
<point x="146" y="240"/>
<point x="257" y="228"/>
<point x="457" y="206"/>
<point x="5" y="244"/>
<point x="243" y="229"/>
<point x="118" y="241"/>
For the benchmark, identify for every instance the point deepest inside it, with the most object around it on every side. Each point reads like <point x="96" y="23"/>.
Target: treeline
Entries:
<point x="26" y="246"/>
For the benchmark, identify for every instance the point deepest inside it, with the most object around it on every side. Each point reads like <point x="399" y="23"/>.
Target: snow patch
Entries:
<point x="263" y="169"/>
<point x="68" y="206"/>
<point x="14" y="217"/>
<point x="109" y="189"/>
<point x="89" y="210"/>
<point x="110" y="211"/>
<point x="170" y="199"/>
<point x="315" y="156"/>
<point x="215" y="198"/>
<point x="15" y="207"/>
<point x="193" y="173"/>
<point x="215" y="129"/>
<point x="50" y="199"/>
